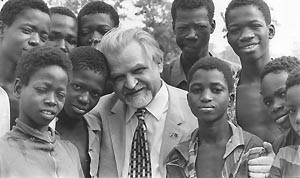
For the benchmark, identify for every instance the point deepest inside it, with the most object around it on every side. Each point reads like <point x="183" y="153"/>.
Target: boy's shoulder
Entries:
<point x="251" y="140"/>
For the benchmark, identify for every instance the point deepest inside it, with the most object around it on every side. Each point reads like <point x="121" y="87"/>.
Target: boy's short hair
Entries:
<point x="40" y="57"/>
<point x="89" y="58"/>
<point x="293" y="78"/>
<point x="12" y="8"/>
<point x="95" y="7"/>
<point x="193" y="4"/>
<point x="260" y="4"/>
<point x="284" y="63"/>
<point x="62" y="11"/>
<point x="211" y="63"/>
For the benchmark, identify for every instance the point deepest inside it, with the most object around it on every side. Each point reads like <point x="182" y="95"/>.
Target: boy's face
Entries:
<point x="29" y="29"/>
<point x="84" y="91"/>
<point x="63" y="32"/>
<point x="192" y="29"/>
<point x="293" y="103"/>
<point x="43" y="97"/>
<point x="248" y="34"/>
<point x="93" y="27"/>
<point x="274" y="98"/>
<point x="208" y="95"/>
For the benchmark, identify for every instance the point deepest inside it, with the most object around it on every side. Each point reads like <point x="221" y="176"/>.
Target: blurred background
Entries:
<point x="155" y="17"/>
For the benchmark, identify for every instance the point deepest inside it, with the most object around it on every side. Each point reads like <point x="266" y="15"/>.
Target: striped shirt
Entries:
<point x="286" y="163"/>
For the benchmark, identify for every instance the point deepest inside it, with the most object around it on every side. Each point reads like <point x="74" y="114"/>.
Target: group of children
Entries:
<point x="62" y="85"/>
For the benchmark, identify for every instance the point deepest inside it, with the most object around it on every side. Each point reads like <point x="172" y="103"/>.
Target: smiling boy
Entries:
<point x="32" y="148"/>
<point x="286" y="163"/>
<point x="90" y="73"/>
<point x="23" y="25"/>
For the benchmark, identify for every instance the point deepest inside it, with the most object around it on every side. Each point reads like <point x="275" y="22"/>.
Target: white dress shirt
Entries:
<point x="155" y="121"/>
<point x="4" y="112"/>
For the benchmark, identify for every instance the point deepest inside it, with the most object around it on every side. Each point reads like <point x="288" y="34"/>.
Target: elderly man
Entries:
<point x="132" y="138"/>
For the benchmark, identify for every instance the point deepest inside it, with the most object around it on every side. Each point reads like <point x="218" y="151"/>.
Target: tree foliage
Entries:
<point x="158" y="22"/>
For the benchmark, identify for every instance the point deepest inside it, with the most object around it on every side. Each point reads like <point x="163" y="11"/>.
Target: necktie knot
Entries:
<point x="140" y="113"/>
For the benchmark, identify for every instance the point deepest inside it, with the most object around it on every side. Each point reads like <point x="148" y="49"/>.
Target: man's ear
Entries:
<point x="18" y="88"/>
<point x="271" y="31"/>
<point x="212" y="26"/>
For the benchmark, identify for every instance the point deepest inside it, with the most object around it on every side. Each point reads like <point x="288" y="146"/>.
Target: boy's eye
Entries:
<point x="76" y="87"/>
<point x="95" y="94"/>
<point x="267" y="102"/>
<point x="61" y="95"/>
<point x="41" y="90"/>
<point x="27" y="30"/>
<point x="282" y="94"/>
<point x="72" y="41"/>
<point x="216" y="90"/>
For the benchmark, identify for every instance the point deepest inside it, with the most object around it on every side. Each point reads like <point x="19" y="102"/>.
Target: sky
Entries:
<point x="286" y="13"/>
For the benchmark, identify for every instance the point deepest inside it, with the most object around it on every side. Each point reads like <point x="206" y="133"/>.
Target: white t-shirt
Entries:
<point x="4" y="112"/>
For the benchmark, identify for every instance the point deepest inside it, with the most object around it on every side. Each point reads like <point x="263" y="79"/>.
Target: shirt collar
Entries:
<point x="92" y="123"/>
<point x="235" y="140"/>
<point x="160" y="99"/>
<point x="48" y="137"/>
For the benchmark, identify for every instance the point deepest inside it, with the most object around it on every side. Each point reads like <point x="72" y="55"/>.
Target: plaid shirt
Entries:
<point x="182" y="160"/>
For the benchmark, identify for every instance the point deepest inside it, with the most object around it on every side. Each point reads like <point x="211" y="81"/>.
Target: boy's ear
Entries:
<point x="271" y="31"/>
<point x="212" y="26"/>
<point x="18" y="88"/>
<point x="2" y="28"/>
<point x="231" y="98"/>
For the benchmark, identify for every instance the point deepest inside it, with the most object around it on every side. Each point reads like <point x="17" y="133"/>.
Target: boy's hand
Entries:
<point x="260" y="167"/>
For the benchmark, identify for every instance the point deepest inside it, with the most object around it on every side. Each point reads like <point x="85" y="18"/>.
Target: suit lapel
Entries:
<point x="117" y="130"/>
<point x="172" y="131"/>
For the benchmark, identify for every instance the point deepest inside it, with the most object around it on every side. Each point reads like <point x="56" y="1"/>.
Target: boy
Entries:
<point x="286" y="163"/>
<point x="193" y="23"/>
<point x="249" y="31"/>
<point x="4" y="113"/>
<point x="273" y="78"/>
<point x="32" y="148"/>
<point x="217" y="148"/>
<point x="90" y="73"/>
<point x="23" y="25"/>
<point x="63" y="31"/>
<point x="94" y="20"/>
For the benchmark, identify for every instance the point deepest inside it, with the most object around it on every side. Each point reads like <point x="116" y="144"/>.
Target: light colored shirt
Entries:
<point x="4" y="112"/>
<point x="286" y="163"/>
<point x="28" y="153"/>
<point x="155" y="121"/>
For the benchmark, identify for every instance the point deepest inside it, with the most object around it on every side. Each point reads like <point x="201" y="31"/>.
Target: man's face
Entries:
<point x="29" y="29"/>
<point x="248" y="34"/>
<point x="208" y="95"/>
<point x="135" y="76"/>
<point x="274" y="98"/>
<point x="93" y="27"/>
<point x="84" y="91"/>
<point x="192" y="30"/>
<point x="63" y="32"/>
<point x="293" y="103"/>
<point x="43" y="97"/>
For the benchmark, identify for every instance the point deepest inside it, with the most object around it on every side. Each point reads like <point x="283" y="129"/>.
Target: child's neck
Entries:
<point x="7" y="69"/>
<point x="215" y="133"/>
<point x="251" y="70"/>
<point x="67" y="121"/>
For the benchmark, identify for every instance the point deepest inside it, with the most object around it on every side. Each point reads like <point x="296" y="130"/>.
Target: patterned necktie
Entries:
<point x="140" y="164"/>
